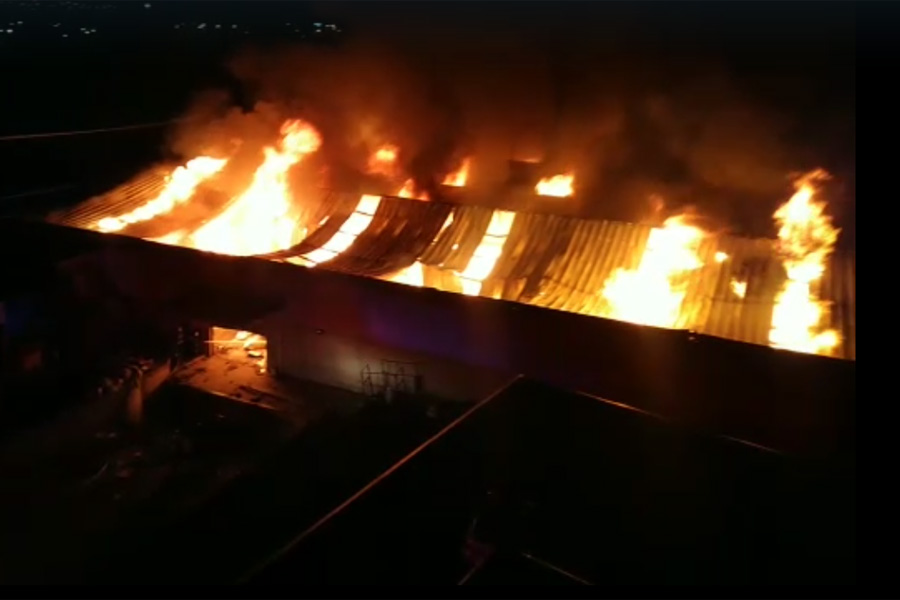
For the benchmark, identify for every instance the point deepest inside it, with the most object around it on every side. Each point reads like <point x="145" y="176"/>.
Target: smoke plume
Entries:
<point x="640" y="125"/>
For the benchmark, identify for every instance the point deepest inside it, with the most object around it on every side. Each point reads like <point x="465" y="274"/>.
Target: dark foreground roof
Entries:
<point x="589" y="491"/>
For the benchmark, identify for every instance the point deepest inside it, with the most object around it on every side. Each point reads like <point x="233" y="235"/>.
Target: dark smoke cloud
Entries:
<point x="640" y="114"/>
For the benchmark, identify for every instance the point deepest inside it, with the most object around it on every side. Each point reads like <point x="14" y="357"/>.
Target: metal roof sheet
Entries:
<point x="121" y="200"/>
<point x="551" y="261"/>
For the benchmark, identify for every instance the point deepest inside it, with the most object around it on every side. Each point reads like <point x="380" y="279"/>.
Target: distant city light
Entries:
<point x="201" y="26"/>
<point x="147" y="5"/>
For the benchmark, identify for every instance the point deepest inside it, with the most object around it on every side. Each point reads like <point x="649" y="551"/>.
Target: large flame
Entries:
<point x="459" y="177"/>
<point x="560" y="186"/>
<point x="488" y="251"/>
<point x="652" y="294"/>
<point x="179" y="187"/>
<point x="262" y="219"/>
<point x="806" y="237"/>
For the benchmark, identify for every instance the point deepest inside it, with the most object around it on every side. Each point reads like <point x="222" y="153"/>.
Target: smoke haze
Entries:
<point x="641" y="108"/>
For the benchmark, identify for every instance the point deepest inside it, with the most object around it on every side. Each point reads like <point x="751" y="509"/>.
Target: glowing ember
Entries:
<point x="180" y="186"/>
<point x="653" y="293"/>
<point x="739" y="288"/>
<point x="559" y="186"/>
<point x="488" y="251"/>
<point x="358" y="222"/>
<point x="721" y="257"/>
<point x="806" y="238"/>
<point x="261" y="219"/>
<point x="459" y="177"/>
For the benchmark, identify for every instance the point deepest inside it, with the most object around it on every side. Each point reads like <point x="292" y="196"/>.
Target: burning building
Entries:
<point x="793" y="292"/>
<point x="363" y="249"/>
<point x="389" y="295"/>
<point x="362" y="284"/>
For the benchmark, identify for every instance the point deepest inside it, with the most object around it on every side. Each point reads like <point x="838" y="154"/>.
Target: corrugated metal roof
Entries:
<point x="551" y="261"/>
<point x="400" y="232"/>
<point x="121" y="200"/>
<point x="327" y="219"/>
<point x="453" y="250"/>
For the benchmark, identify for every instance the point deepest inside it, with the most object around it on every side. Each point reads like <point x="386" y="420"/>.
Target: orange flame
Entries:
<point x="180" y="186"/>
<point x="653" y="293"/>
<point x="241" y="345"/>
<point x="560" y="186"/>
<point x="261" y="220"/>
<point x="175" y="238"/>
<point x="806" y="237"/>
<point x="459" y="177"/>
<point x="384" y="160"/>
<point x="487" y="253"/>
<point x="413" y="275"/>
<point x="409" y="191"/>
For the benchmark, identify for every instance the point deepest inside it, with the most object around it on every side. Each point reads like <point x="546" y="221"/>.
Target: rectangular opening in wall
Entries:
<point x="239" y="345"/>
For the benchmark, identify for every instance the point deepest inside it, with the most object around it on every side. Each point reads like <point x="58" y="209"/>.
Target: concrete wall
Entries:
<point x="781" y="399"/>
<point x="146" y="385"/>
<point x="297" y="348"/>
